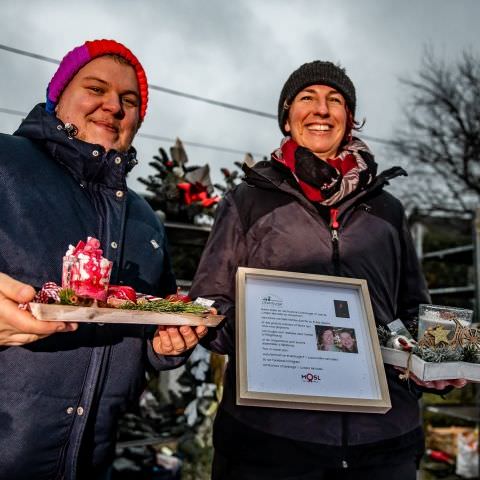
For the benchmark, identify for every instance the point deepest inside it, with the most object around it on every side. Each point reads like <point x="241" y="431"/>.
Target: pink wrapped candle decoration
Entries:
<point x="85" y="270"/>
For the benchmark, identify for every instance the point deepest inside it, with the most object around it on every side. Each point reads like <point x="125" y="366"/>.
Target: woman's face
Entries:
<point x="327" y="337"/>
<point x="347" y="340"/>
<point x="317" y="120"/>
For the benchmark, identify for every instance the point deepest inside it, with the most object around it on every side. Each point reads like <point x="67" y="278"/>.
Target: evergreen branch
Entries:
<point x="165" y="306"/>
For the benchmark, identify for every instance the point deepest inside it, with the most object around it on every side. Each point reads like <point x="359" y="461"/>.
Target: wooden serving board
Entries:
<point x="69" y="313"/>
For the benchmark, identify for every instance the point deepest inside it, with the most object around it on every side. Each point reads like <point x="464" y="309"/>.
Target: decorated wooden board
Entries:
<point x="94" y="314"/>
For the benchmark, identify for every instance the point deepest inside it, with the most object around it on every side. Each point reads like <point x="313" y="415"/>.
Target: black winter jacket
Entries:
<point x="60" y="397"/>
<point x="266" y="222"/>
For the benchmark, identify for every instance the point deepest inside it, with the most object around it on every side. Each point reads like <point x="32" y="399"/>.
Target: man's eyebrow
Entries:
<point x="91" y="77"/>
<point x="99" y="80"/>
<point x="131" y="92"/>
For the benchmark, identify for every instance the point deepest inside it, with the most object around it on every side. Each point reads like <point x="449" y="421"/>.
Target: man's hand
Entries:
<point x="18" y="327"/>
<point x="177" y="340"/>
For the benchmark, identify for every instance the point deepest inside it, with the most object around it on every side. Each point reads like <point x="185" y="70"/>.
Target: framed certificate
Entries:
<point x="307" y="342"/>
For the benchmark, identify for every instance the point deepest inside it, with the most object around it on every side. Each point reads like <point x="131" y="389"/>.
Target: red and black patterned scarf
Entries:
<point x="330" y="181"/>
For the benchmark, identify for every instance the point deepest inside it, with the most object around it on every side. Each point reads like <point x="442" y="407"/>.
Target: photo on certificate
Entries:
<point x="308" y="342"/>
<point x="341" y="308"/>
<point x="336" y="339"/>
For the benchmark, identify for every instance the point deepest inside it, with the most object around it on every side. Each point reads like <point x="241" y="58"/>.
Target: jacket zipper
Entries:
<point x="334" y="226"/>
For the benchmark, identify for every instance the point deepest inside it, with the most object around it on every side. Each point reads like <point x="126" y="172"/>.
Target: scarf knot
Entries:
<point x="328" y="181"/>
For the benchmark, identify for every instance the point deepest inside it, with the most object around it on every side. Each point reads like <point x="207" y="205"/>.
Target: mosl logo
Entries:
<point x="310" y="378"/>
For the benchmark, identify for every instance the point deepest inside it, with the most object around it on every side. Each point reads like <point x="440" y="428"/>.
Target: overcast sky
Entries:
<point x="238" y="52"/>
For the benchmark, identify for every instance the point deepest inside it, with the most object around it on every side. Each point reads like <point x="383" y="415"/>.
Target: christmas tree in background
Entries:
<point x="179" y="192"/>
<point x="233" y="177"/>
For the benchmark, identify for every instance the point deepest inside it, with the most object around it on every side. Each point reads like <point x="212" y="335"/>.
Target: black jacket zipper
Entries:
<point x="334" y="225"/>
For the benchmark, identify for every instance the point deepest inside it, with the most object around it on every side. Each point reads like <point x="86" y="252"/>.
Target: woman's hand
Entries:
<point x="440" y="384"/>
<point x="19" y="327"/>
<point x="177" y="340"/>
<point x="435" y="384"/>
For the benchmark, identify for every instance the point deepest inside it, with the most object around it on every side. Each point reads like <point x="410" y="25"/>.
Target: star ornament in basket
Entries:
<point x="434" y="337"/>
<point x="440" y="335"/>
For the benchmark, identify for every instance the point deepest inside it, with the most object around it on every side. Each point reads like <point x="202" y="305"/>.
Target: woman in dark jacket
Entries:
<point x="317" y="207"/>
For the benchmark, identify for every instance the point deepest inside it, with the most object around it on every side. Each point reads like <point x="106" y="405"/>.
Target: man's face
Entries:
<point x="103" y="102"/>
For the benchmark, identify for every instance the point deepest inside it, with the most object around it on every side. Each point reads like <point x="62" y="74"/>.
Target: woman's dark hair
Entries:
<point x="352" y="125"/>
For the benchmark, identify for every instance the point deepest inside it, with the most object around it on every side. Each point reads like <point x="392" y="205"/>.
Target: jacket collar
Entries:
<point x="86" y="162"/>
<point x="269" y="176"/>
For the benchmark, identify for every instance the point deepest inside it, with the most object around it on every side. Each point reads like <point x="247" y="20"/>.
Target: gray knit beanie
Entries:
<point x="315" y="73"/>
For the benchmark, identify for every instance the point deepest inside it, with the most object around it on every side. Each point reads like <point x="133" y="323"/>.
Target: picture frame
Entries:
<point x="306" y="341"/>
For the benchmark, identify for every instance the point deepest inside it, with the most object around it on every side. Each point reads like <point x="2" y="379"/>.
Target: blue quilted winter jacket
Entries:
<point x="60" y="397"/>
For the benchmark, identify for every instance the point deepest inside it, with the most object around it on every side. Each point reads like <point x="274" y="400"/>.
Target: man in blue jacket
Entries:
<point x="62" y="178"/>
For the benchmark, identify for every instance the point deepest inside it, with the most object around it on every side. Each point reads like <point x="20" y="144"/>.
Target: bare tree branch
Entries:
<point x="442" y="139"/>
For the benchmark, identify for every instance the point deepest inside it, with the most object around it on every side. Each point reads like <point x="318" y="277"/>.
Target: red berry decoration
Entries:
<point x="122" y="292"/>
<point x="178" y="297"/>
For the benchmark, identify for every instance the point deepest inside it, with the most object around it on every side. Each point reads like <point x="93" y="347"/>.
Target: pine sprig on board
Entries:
<point x="67" y="296"/>
<point x="165" y="306"/>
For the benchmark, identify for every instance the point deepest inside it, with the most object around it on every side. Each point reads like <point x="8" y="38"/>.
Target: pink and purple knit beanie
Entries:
<point x="77" y="58"/>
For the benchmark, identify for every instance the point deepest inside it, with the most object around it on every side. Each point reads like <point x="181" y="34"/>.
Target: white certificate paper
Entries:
<point x="306" y="340"/>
